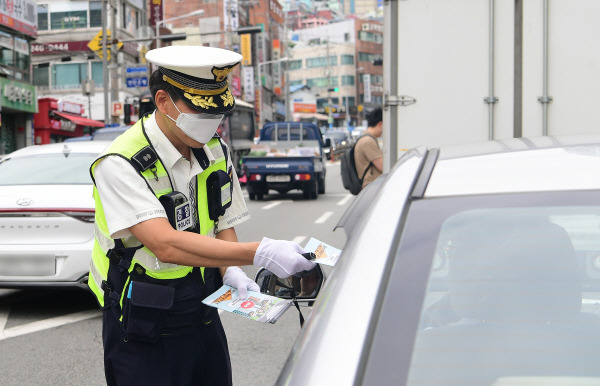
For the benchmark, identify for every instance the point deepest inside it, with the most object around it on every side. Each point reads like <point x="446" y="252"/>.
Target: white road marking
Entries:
<point x="345" y="199"/>
<point x="323" y="218"/>
<point x="299" y="239"/>
<point x="49" y="323"/>
<point x="271" y="205"/>
<point x="4" y="311"/>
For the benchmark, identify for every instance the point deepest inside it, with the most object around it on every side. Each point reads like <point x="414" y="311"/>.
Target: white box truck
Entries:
<point x="458" y="71"/>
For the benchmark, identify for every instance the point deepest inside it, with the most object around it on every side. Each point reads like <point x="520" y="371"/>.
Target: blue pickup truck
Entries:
<point x="289" y="155"/>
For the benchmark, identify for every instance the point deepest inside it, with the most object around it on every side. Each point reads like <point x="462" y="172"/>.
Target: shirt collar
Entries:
<point x="165" y="149"/>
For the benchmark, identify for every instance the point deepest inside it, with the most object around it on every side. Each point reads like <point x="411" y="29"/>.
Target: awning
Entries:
<point x="80" y="120"/>
<point x="320" y="117"/>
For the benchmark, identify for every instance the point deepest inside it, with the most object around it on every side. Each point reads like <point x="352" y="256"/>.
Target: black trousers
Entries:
<point x="189" y="352"/>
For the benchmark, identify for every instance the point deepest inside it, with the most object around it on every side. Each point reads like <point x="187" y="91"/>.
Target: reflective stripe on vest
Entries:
<point x="157" y="178"/>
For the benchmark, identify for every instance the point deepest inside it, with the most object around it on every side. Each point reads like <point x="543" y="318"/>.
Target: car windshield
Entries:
<point x="47" y="169"/>
<point x="338" y="136"/>
<point x="506" y="289"/>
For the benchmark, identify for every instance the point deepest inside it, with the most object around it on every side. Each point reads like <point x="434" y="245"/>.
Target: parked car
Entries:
<point x="466" y="265"/>
<point x="47" y="214"/>
<point x="103" y="134"/>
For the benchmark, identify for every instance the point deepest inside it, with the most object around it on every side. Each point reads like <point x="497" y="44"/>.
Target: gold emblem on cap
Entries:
<point x="221" y="73"/>
<point x="200" y="101"/>
<point x="227" y="99"/>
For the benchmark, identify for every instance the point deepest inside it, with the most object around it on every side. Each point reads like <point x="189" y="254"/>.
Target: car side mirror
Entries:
<point x="328" y="142"/>
<point x="305" y="286"/>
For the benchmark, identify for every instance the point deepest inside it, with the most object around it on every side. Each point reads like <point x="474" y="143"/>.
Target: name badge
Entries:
<point x="183" y="215"/>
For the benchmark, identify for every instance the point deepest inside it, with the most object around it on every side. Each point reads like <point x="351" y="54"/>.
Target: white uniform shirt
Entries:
<point x="127" y="200"/>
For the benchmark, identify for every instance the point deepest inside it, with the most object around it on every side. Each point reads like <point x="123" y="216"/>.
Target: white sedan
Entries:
<point x="47" y="214"/>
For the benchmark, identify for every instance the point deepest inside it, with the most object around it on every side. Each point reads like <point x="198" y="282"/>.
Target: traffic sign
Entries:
<point x="117" y="108"/>
<point x="141" y="81"/>
<point x="131" y="70"/>
<point x="96" y="44"/>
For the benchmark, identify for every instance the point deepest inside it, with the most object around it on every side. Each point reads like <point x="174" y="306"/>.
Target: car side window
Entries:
<point x="489" y="289"/>
<point x="504" y="282"/>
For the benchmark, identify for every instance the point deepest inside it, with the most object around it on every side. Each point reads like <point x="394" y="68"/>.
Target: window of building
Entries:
<point x="97" y="74"/>
<point x="298" y="82"/>
<point x="14" y="57"/>
<point x="347" y="80"/>
<point x="41" y="77"/>
<point x="69" y="14"/>
<point x="295" y="64"/>
<point x="368" y="57"/>
<point x="7" y="54"/>
<point x="322" y="82"/>
<point x="95" y="14"/>
<point x="68" y="75"/>
<point x="321" y="62"/>
<point x="347" y="37"/>
<point x="375" y="99"/>
<point x="376" y="79"/>
<point x="370" y="37"/>
<point x="73" y="14"/>
<point x="42" y="11"/>
<point x="347" y="59"/>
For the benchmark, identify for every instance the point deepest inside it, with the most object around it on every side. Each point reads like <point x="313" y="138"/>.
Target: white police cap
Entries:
<point x="198" y="75"/>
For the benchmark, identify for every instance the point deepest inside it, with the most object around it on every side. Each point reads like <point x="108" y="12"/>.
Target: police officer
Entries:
<point x="167" y="200"/>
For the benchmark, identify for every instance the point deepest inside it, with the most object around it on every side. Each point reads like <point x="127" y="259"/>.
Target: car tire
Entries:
<point x="314" y="191"/>
<point x="322" y="185"/>
<point x="252" y="196"/>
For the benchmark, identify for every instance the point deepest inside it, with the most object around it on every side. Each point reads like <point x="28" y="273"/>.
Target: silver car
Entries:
<point x="466" y="265"/>
<point x="47" y="214"/>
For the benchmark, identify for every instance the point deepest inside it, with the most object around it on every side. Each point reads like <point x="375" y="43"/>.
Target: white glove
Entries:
<point x="281" y="257"/>
<point x="235" y="277"/>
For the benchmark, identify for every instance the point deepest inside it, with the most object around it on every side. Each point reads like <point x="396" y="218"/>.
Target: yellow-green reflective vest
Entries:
<point x="157" y="178"/>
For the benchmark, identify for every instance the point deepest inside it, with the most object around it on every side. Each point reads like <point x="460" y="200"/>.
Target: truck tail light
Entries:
<point x="302" y="177"/>
<point x="255" y="177"/>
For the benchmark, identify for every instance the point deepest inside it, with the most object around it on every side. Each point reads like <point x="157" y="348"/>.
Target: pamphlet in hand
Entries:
<point x="260" y="307"/>
<point x="325" y="254"/>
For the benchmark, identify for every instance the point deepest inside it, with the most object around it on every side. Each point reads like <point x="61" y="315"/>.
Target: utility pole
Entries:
<point x="105" y="62"/>
<point x="288" y="115"/>
<point x="114" y="77"/>
<point x="328" y="71"/>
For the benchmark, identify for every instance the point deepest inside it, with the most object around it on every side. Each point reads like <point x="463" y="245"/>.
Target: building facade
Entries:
<point x="340" y="62"/>
<point x="18" y="99"/>
<point x="68" y="55"/>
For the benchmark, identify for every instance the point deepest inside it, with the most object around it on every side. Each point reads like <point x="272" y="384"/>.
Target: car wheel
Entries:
<point x="314" y="191"/>
<point x="252" y="196"/>
<point x="322" y="186"/>
<point x="259" y="196"/>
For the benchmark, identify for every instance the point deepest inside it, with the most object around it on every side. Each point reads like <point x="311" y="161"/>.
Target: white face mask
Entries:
<point x="199" y="127"/>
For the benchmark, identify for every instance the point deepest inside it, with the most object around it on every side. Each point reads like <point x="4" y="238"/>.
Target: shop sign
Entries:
<point x="300" y="107"/>
<point x="66" y="125"/>
<point x="276" y="11"/>
<point x="59" y="47"/>
<point x="231" y="20"/>
<point x="156" y="12"/>
<point x="18" y="96"/>
<point x="246" y="43"/>
<point x="248" y="73"/>
<point x="236" y="86"/>
<point x="70" y="107"/>
<point x="19" y="15"/>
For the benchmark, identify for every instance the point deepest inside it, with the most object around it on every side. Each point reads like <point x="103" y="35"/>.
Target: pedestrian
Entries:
<point x="367" y="154"/>
<point x="167" y="200"/>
